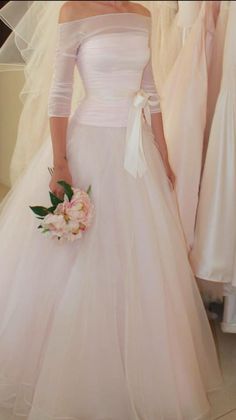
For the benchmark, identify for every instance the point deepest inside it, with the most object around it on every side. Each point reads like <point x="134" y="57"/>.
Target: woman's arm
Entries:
<point x="58" y="129"/>
<point x="158" y="131"/>
<point x="59" y="101"/>
<point x="148" y="84"/>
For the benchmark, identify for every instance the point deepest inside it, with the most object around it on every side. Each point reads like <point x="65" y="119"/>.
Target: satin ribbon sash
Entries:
<point x="134" y="161"/>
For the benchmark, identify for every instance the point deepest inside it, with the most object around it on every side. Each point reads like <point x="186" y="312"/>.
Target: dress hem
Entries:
<point x="202" y="276"/>
<point x="14" y="413"/>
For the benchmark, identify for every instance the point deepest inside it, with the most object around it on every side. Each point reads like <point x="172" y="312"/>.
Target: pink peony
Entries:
<point x="79" y="208"/>
<point x="70" y="219"/>
<point x="54" y="223"/>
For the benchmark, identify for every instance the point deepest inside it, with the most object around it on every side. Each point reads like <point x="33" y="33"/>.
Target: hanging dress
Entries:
<point x="166" y="39"/>
<point x="214" y="251"/>
<point x="184" y="101"/>
<point x="212" y="291"/>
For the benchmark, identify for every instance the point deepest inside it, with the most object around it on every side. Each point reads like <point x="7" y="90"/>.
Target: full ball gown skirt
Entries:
<point x="110" y="327"/>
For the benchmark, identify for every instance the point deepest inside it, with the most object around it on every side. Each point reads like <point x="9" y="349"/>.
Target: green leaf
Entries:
<point x="89" y="190"/>
<point x="39" y="227"/>
<point x="52" y="209"/>
<point x="54" y="199"/>
<point x="39" y="217"/>
<point x="39" y="210"/>
<point x="67" y="188"/>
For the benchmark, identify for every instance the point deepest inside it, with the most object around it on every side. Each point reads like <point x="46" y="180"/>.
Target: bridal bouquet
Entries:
<point x="69" y="218"/>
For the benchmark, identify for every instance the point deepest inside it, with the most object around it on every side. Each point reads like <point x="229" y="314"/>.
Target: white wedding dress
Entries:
<point x="214" y="251"/>
<point x="110" y="327"/>
<point x="166" y="39"/>
<point x="184" y="103"/>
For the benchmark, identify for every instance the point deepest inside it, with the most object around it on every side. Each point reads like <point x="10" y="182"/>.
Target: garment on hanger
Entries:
<point x="212" y="291"/>
<point x="187" y="14"/>
<point x="228" y="323"/>
<point x="184" y="101"/>
<point x="166" y="38"/>
<point x="216" y="65"/>
<point x="214" y="251"/>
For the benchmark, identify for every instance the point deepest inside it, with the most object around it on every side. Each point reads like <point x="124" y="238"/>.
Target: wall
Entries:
<point x="10" y="108"/>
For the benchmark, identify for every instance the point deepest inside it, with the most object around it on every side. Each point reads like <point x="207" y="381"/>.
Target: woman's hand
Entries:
<point x="170" y="174"/>
<point x="60" y="173"/>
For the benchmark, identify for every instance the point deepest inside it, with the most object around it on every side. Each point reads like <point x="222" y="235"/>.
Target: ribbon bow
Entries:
<point x="134" y="161"/>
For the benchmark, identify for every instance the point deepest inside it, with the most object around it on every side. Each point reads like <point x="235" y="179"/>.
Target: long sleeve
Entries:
<point x="148" y="84"/>
<point x="60" y="94"/>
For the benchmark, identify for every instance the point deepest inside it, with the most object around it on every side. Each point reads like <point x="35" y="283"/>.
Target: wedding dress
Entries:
<point x="216" y="65"/>
<point x="166" y="39"/>
<point x="111" y="327"/>
<point x="184" y="101"/>
<point x="187" y="15"/>
<point x="214" y="251"/>
<point x="212" y="291"/>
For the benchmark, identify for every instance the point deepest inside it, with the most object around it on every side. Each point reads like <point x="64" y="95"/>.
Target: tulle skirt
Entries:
<point x="112" y="326"/>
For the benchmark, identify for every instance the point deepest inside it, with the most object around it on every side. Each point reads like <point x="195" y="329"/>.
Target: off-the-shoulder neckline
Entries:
<point x="104" y="14"/>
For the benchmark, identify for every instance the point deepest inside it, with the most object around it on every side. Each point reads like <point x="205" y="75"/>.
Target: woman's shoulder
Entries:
<point x="72" y="10"/>
<point x="140" y="9"/>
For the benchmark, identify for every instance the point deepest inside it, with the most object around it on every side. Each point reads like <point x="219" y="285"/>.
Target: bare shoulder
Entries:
<point x="72" y="10"/>
<point x="139" y="8"/>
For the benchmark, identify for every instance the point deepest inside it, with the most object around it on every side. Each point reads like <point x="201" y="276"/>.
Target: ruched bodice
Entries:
<point x="111" y="75"/>
<point x="104" y="63"/>
<point x="112" y="55"/>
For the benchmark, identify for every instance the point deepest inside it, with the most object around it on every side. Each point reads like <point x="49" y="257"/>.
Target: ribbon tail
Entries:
<point x="135" y="162"/>
<point x="142" y="166"/>
<point x="132" y="134"/>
